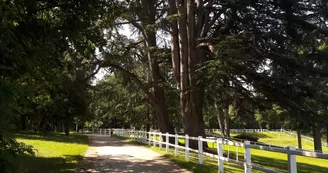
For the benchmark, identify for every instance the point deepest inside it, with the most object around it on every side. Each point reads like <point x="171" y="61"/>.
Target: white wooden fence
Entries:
<point x="249" y="130"/>
<point x="157" y="139"/>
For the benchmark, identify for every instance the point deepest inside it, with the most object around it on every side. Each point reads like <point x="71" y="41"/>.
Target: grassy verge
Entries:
<point x="55" y="153"/>
<point x="281" y="139"/>
<point x="271" y="160"/>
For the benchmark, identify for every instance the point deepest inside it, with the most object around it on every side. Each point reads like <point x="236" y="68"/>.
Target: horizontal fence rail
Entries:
<point x="249" y="130"/>
<point x="162" y="140"/>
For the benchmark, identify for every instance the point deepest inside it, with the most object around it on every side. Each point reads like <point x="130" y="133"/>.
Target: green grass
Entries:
<point x="271" y="160"/>
<point x="55" y="153"/>
<point x="209" y="163"/>
<point x="282" y="139"/>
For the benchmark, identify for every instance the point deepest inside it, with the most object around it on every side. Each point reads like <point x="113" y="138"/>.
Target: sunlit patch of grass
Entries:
<point x="54" y="152"/>
<point x="209" y="164"/>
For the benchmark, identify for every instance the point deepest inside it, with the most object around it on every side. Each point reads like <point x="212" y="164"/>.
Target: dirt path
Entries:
<point x="111" y="155"/>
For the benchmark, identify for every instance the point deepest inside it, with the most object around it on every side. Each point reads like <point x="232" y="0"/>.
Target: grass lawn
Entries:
<point x="55" y="153"/>
<point x="271" y="160"/>
<point x="282" y="139"/>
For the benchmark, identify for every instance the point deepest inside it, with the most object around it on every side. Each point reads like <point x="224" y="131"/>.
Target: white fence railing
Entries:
<point x="249" y="130"/>
<point x="288" y="132"/>
<point x="160" y="139"/>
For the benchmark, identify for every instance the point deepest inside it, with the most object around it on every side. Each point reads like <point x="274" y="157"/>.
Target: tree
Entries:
<point x="280" y="61"/>
<point x="144" y="19"/>
<point x="35" y="35"/>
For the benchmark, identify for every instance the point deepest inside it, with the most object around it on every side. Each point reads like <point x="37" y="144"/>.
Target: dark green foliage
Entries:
<point x="248" y="137"/>
<point x="10" y="150"/>
<point x="48" y="58"/>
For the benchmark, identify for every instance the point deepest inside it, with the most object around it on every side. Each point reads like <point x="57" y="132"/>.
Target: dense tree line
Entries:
<point x="190" y="64"/>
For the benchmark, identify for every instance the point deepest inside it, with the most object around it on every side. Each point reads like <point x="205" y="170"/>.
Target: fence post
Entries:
<point x="149" y="142"/>
<point x="220" y="154"/>
<point x="247" y="156"/>
<point x="154" y="139"/>
<point x="160" y="140"/>
<point x="187" y="147"/>
<point x="141" y="137"/>
<point x="176" y="144"/>
<point x="200" y="150"/>
<point x="167" y="142"/>
<point x="292" y="167"/>
<point x="138" y="135"/>
<point x="100" y="131"/>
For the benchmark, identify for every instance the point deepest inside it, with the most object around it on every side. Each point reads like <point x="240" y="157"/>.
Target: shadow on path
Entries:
<point x="109" y="154"/>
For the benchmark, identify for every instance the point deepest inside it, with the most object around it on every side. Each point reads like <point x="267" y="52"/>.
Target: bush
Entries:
<point x="10" y="149"/>
<point x="247" y="136"/>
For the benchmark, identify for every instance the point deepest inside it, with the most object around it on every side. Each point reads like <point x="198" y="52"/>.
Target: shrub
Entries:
<point x="247" y="136"/>
<point x="10" y="149"/>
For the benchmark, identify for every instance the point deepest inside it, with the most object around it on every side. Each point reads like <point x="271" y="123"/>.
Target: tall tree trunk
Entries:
<point x="175" y="48"/>
<point x="226" y="119"/>
<point x="66" y="127"/>
<point x="193" y="89"/>
<point x="23" y="122"/>
<point x="42" y="125"/>
<point x="219" y="114"/>
<point x="327" y="134"/>
<point x="189" y="57"/>
<point x="317" y="138"/>
<point x="82" y="126"/>
<point x="147" y="20"/>
<point x="77" y="127"/>
<point x="299" y="138"/>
